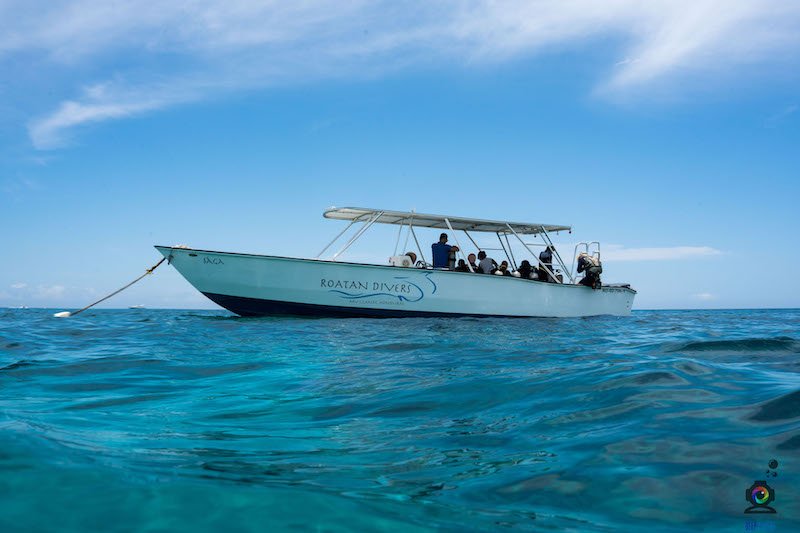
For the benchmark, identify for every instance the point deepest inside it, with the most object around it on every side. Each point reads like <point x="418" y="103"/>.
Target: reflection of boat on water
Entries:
<point x="257" y="285"/>
<point x="136" y="306"/>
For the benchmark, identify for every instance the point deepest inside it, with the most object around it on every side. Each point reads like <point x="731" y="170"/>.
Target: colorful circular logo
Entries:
<point x="759" y="494"/>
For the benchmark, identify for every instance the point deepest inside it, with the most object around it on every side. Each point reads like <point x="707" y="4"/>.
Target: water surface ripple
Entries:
<point x="157" y="420"/>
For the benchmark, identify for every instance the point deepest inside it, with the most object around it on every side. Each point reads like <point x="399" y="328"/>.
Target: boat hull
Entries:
<point x="259" y="285"/>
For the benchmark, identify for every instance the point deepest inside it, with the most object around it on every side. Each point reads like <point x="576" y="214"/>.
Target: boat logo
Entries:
<point x="212" y="261"/>
<point x="399" y="287"/>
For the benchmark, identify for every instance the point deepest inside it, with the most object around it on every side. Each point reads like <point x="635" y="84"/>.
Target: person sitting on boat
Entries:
<point x="503" y="270"/>
<point x="593" y="269"/>
<point x="487" y="265"/>
<point x="525" y="269"/>
<point x="546" y="264"/>
<point x="413" y="257"/>
<point x="472" y="260"/>
<point x="462" y="266"/>
<point x="442" y="252"/>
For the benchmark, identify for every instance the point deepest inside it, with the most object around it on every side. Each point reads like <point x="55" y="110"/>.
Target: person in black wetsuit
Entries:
<point x="462" y="266"/>
<point x="546" y="260"/>
<point x="503" y="270"/>
<point x="593" y="269"/>
<point x="525" y="269"/>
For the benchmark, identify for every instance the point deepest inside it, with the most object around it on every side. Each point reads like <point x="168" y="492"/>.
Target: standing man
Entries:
<point x="546" y="260"/>
<point x="441" y="252"/>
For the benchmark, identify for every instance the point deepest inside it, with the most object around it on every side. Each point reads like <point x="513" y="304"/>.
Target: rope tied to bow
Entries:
<point x="65" y="314"/>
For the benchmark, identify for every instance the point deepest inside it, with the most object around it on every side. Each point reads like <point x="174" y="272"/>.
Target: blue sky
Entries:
<point x="670" y="131"/>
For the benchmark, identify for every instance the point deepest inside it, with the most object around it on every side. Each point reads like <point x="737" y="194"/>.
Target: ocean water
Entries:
<point x="158" y="420"/>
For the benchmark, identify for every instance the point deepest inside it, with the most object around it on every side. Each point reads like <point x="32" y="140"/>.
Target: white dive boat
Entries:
<point x="260" y="285"/>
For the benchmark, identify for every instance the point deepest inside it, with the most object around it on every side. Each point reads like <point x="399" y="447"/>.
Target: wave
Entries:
<point x="784" y="407"/>
<point x="18" y="364"/>
<point x="740" y="345"/>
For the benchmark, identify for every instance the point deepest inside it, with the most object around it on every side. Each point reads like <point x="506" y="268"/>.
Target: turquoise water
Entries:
<point x="155" y="420"/>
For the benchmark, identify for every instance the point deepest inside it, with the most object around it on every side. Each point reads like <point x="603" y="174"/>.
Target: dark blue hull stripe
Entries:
<point x="257" y="307"/>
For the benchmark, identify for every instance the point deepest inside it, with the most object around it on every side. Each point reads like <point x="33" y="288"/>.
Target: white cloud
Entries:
<point x="46" y="292"/>
<point x="48" y="132"/>
<point x="620" y="253"/>
<point x="152" y="54"/>
<point x="777" y="118"/>
<point x="16" y="187"/>
<point x="704" y="296"/>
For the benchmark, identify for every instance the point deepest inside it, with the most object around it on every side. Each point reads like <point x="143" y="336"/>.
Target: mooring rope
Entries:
<point x="150" y="270"/>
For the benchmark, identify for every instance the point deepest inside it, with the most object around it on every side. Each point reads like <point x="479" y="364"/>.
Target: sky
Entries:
<point x="667" y="130"/>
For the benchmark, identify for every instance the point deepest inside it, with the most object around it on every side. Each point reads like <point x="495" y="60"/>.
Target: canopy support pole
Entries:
<point x="419" y="248"/>
<point x="408" y="232"/>
<point x="447" y="220"/>
<point x="397" y="242"/>
<point x="478" y="248"/>
<point x="358" y="234"/>
<point x="558" y="256"/>
<point x="549" y="272"/>
<point x="503" y="246"/>
<point x="513" y="260"/>
<point x="335" y="239"/>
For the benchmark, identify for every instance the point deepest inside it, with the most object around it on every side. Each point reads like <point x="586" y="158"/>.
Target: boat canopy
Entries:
<point x="382" y="216"/>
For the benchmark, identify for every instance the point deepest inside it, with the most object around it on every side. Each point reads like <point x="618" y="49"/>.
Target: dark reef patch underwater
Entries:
<point x="157" y="420"/>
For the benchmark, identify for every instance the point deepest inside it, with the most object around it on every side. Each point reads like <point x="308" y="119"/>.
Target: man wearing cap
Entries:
<point x="441" y="252"/>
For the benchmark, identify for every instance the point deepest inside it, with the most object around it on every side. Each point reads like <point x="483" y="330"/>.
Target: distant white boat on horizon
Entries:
<point x="265" y="285"/>
<point x="136" y="306"/>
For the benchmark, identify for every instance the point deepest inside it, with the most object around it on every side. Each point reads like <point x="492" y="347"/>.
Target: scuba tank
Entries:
<point x="592" y="269"/>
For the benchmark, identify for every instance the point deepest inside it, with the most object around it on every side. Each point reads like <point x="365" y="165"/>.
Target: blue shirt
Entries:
<point x="441" y="255"/>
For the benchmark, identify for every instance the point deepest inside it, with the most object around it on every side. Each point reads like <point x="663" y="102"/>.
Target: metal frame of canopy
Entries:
<point x="410" y="219"/>
<point x="422" y="220"/>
